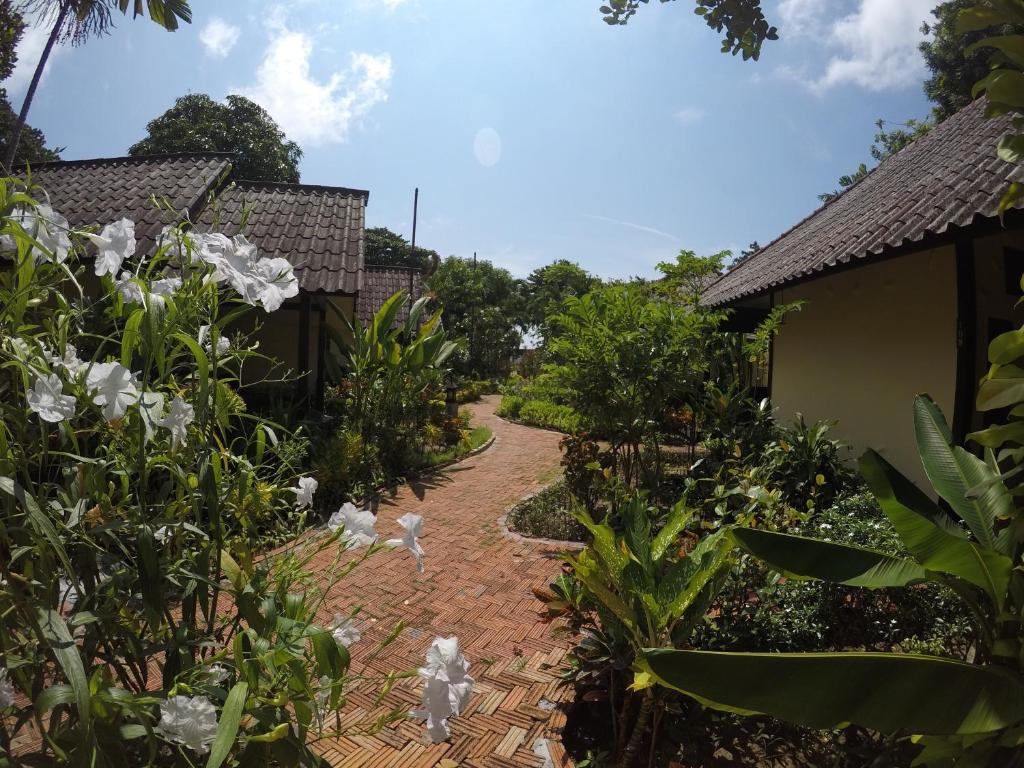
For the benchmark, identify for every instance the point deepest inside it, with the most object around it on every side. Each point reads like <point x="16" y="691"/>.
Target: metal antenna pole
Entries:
<point x="415" y="211"/>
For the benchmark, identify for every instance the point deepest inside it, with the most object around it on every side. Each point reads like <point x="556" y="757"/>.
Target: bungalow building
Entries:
<point x="320" y="230"/>
<point x="906" y="276"/>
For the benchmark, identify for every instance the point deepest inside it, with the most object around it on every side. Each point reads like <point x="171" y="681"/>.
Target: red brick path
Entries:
<point x="477" y="586"/>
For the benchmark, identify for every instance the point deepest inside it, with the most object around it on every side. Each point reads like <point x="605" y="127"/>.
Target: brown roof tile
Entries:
<point x="96" y="192"/>
<point x="380" y="283"/>
<point x="320" y="230"/>
<point x="946" y="178"/>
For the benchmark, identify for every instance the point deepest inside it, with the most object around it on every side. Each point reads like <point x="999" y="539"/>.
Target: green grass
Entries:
<point x="477" y="437"/>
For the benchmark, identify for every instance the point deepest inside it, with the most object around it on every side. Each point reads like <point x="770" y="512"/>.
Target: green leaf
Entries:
<point x="1012" y="46"/>
<point x="66" y="652"/>
<point x="930" y="536"/>
<point x="1006" y="347"/>
<point x="803" y="558"/>
<point x="667" y="536"/>
<point x="227" y="728"/>
<point x="953" y="472"/>
<point x="980" y="17"/>
<point x="881" y="691"/>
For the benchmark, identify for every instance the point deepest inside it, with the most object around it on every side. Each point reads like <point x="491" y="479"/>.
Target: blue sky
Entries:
<point x="533" y="130"/>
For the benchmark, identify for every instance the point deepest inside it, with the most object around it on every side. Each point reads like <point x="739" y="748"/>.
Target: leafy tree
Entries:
<point x="75" y="21"/>
<point x="626" y="359"/>
<point x="547" y="288"/>
<point x="745" y="254"/>
<point x="687" y="277"/>
<point x="197" y="123"/>
<point x="389" y="248"/>
<point x="845" y="182"/>
<point x="32" y="146"/>
<point x="955" y="67"/>
<point x="889" y="142"/>
<point x="742" y="21"/>
<point x="483" y="304"/>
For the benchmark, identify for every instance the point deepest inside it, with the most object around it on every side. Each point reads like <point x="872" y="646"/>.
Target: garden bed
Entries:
<point x="547" y="515"/>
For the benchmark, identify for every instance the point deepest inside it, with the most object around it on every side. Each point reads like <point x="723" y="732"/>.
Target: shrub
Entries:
<point x="510" y="406"/>
<point x="472" y="390"/>
<point x="541" y="413"/>
<point x="759" y="611"/>
<point x="547" y="515"/>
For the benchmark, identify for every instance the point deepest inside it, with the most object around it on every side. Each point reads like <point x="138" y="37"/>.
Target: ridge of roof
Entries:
<point x="129" y="159"/>
<point x="345" y="191"/>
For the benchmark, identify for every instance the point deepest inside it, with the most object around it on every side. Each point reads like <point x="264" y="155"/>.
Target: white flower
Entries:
<point x="49" y="229"/>
<point x="113" y="386"/>
<point x="116" y="242"/>
<point x="345" y="631"/>
<point x="47" y="399"/>
<point x="216" y="674"/>
<point x="177" y="420"/>
<point x="223" y="343"/>
<point x="277" y="282"/>
<point x="163" y="534"/>
<point x="189" y="720"/>
<point x="323" y="697"/>
<point x="162" y="289"/>
<point x="413" y="525"/>
<point x="447" y="686"/>
<point x="151" y="408"/>
<point x="267" y="282"/>
<point x="7" y="692"/>
<point x="130" y="289"/>
<point x="70" y="362"/>
<point x="358" y="525"/>
<point x="304" y="492"/>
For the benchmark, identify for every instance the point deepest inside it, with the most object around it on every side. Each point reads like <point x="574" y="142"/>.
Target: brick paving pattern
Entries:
<point x="477" y="586"/>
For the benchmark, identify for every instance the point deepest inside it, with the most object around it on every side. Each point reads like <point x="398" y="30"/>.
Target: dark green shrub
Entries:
<point x="541" y="413"/>
<point x="510" y="406"/>
<point x="760" y="611"/>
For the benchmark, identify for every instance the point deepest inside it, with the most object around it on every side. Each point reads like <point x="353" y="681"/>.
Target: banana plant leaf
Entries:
<point x="930" y="536"/>
<point x="886" y="692"/>
<point x="803" y="558"/>
<point x="954" y="472"/>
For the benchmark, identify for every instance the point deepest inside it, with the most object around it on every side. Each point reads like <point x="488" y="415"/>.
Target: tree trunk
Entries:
<point x="639" y="729"/>
<point x="12" y="145"/>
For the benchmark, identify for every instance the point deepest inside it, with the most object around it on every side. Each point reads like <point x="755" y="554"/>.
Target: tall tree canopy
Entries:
<point x="482" y="303"/>
<point x="686" y="278"/>
<point x="954" y="70"/>
<point x="197" y="123"/>
<point x="391" y="249"/>
<point x="546" y="289"/>
<point x="32" y="147"/>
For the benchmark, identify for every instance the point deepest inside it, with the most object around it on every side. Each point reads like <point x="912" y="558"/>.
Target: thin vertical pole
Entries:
<point x="415" y="212"/>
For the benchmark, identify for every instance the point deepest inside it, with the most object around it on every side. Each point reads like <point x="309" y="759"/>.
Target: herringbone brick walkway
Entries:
<point x="476" y="586"/>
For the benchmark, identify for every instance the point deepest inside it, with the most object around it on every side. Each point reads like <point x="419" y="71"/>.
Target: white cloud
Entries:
<point x="631" y="225"/>
<point x="879" y="41"/>
<point x="218" y="37"/>
<point x="801" y="17"/>
<point x="30" y="48"/>
<point x="310" y="110"/>
<point x="688" y="115"/>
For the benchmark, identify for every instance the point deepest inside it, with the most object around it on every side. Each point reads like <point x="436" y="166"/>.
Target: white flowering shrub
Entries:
<point x="141" y="619"/>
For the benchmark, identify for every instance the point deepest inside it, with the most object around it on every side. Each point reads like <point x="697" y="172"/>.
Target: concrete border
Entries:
<point x="508" y="533"/>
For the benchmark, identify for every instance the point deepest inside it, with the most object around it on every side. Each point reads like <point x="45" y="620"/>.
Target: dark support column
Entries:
<point x="304" y="319"/>
<point x="321" y="355"/>
<point x="966" y="338"/>
<point x="771" y="353"/>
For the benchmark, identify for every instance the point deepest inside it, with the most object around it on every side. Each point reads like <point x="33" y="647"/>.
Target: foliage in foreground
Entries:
<point x="141" y="623"/>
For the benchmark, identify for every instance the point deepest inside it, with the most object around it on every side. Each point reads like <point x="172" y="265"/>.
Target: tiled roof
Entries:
<point x="101" y="191"/>
<point x="380" y="283"/>
<point x="320" y="230"/>
<point x="946" y="178"/>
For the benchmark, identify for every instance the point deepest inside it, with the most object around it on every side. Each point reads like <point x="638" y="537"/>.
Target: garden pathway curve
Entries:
<point x="477" y="585"/>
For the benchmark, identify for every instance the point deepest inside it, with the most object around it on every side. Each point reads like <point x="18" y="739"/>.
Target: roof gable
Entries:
<point x="380" y="283"/>
<point x="948" y="177"/>
<point x="320" y="230"/>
